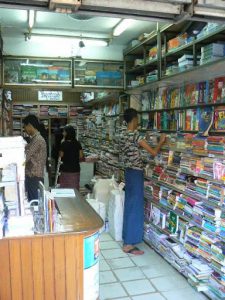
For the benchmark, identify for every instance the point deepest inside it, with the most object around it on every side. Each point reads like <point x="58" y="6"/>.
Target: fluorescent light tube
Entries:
<point x="68" y="39"/>
<point x="31" y="18"/>
<point x="122" y="26"/>
<point x="94" y="42"/>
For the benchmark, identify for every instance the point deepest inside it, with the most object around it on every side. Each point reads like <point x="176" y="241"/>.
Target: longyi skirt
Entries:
<point x="69" y="180"/>
<point x="133" y="221"/>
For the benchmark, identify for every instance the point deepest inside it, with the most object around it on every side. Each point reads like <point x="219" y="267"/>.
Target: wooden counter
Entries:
<point x="49" y="266"/>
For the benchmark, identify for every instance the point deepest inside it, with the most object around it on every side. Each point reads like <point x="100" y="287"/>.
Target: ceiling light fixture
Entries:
<point x="122" y="26"/>
<point x="72" y="39"/>
<point x="31" y="18"/>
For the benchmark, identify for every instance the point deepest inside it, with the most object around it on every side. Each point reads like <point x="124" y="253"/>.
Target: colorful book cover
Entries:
<point x="155" y="215"/>
<point x="219" y="89"/>
<point x="209" y="90"/>
<point x="206" y="116"/>
<point x="219" y="118"/>
<point x="191" y="94"/>
<point x="173" y="222"/>
<point x="202" y="91"/>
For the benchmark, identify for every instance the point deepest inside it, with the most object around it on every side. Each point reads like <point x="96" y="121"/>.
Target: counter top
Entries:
<point x="77" y="215"/>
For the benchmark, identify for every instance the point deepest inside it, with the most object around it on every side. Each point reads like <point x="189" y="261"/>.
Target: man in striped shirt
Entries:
<point x="36" y="154"/>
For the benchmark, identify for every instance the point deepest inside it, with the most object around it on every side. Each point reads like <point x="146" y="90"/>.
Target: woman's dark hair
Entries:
<point x="129" y="115"/>
<point x="32" y="120"/>
<point x="70" y="133"/>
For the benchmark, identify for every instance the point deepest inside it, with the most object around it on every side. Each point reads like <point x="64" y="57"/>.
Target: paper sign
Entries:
<point x="50" y="96"/>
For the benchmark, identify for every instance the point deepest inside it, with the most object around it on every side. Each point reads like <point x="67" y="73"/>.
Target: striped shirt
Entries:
<point x="36" y="154"/>
<point x="129" y="144"/>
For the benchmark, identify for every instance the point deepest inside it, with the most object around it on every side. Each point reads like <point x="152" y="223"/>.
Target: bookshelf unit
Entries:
<point x="101" y="135"/>
<point x="186" y="108"/>
<point x="183" y="180"/>
<point x="185" y="183"/>
<point x="180" y="58"/>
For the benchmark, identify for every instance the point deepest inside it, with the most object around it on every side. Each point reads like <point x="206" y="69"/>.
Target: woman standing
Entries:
<point x="132" y="142"/>
<point x="71" y="154"/>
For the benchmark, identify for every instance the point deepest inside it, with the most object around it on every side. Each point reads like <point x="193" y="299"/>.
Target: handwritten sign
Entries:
<point x="50" y="96"/>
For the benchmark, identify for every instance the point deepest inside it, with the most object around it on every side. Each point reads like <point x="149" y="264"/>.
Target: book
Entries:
<point x="173" y="222"/>
<point x="219" y="118"/>
<point x="219" y="89"/>
<point x="206" y="117"/>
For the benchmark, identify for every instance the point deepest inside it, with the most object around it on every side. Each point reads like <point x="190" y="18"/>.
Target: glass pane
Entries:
<point x="107" y="73"/>
<point x="28" y="71"/>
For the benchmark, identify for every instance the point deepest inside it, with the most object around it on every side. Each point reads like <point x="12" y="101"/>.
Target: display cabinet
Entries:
<point x="37" y="71"/>
<point x="97" y="73"/>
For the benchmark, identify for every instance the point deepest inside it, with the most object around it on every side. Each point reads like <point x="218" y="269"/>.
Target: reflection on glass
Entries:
<point x="28" y="71"/>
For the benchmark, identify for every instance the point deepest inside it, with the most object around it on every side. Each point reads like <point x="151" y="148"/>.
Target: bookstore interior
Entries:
<point x="83" y="63"/>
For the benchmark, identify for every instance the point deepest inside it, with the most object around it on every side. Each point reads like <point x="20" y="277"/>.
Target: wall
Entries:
<point x="29" y="95"/>
<point x="17" y="46"/>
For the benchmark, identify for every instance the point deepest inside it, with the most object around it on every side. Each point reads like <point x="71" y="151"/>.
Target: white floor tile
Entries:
<point x="129" y="274"/>
<point x="161" y="269"/>
<point x="120" y="263"/>
<point x="145" y="248"/>
<point x="139" y="276"/>
<point x="111" y="291"/>
<point x="126" y="298"/>
<point x="103" y="265"/>
<point x="101" y="257"/>
<point x="138" y="287"/>
<point x="113" y="253"/>
<point x="109" y="245"/>
<point x="184" y="294"/>
<point x="167" y="283"/>
<point x="105" y="237"/>
<point x="107" y="277"/>
<point x="153" y="296"/>
<point x="146" y="259"/>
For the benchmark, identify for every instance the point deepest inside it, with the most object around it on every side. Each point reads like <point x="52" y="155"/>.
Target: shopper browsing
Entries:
<point x="36" y="154"/>
<point x="132" y="142"/>
<point x="71" y="154"/>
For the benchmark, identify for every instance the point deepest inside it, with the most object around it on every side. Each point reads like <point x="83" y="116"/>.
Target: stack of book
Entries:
<point x="217" y="279"/>
<point x="216" y="194"/>
<point x="212" y="52"/>
<point x="198" y="274"/>
<point x="192" y="240"/>
<point x="211" y="218"/>
<point x="199" y="145"/>
<point x="185" y="61"/>
<point x="206" y="241"/>
<point x="175" y="254"/>
<point x="216" y="145"/>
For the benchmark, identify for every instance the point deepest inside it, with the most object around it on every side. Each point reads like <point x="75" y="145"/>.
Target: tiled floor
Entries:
<point x="146" y="277"/>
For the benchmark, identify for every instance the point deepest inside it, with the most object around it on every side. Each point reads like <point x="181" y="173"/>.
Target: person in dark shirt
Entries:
<point x="71" y="154"/>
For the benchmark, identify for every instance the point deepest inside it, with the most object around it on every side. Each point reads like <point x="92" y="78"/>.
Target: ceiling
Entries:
<point x="14" y="27"/>
<point x="105" y="15"/>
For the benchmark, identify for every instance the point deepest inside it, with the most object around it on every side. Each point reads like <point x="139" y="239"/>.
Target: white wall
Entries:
<point x="17" y="46"/>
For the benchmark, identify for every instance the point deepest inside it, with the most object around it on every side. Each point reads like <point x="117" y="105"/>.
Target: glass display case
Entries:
<point x="37" y="71"/>
<point x="98" y="73"/>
